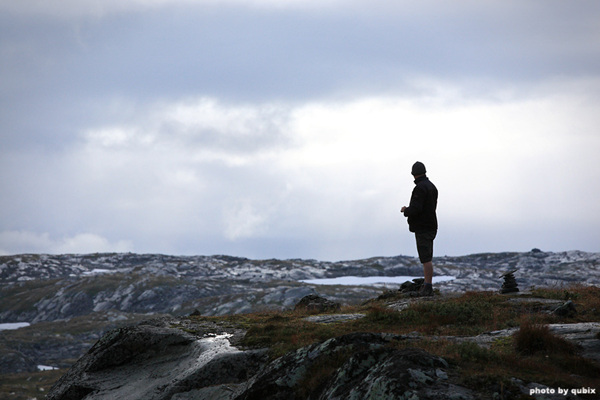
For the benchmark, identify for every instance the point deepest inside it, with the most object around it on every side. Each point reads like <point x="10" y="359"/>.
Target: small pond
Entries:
<point x="370" y="280"/>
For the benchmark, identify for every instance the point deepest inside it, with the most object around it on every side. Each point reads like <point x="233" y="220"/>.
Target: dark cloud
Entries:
<point x="258" y="54"/>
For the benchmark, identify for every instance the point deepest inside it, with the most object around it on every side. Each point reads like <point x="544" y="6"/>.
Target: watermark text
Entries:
<point x="562" y="391"/>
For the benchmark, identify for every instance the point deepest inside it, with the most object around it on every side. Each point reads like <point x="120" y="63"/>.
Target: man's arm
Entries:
<point x="416" y="203"/>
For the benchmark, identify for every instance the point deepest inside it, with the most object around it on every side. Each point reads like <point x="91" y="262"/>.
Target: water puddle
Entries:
<point x="214" y="346"/>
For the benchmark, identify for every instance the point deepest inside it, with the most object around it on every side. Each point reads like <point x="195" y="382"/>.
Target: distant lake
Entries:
<point x="370" y="280"/>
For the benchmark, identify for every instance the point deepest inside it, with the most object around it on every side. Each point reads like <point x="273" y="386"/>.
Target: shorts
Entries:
<point x="425" y="245"/>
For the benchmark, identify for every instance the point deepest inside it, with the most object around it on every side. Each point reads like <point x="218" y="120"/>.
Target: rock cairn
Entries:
<point x="510" y="283"/>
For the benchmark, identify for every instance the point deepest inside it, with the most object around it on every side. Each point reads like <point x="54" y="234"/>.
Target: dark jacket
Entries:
<point x="421" y="211"/>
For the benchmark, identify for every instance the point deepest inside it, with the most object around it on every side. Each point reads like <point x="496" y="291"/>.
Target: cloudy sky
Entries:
<point x="287" y="128"/>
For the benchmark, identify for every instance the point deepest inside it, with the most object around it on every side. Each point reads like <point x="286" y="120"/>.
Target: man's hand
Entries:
<point x="402" y="209"/>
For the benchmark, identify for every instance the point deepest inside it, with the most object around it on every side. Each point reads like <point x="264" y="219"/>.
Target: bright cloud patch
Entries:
<point x="13" y="242"/>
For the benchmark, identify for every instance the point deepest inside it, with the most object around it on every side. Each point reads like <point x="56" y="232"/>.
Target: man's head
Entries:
<point x="418" y="169"/>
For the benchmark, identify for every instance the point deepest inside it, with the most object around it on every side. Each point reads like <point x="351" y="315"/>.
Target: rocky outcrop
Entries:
<point x="153" y="361"/>
<point x="355" y="366"/>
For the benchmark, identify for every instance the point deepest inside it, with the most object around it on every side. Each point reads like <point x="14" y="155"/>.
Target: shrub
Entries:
<point x="532" y="338"/>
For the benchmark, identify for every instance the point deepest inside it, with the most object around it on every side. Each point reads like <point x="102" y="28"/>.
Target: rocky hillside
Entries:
<point x="38" y="288"/>
<point x="70" y="301"/>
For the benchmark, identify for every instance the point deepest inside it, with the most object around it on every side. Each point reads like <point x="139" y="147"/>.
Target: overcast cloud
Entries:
<point x="266" y="128"/>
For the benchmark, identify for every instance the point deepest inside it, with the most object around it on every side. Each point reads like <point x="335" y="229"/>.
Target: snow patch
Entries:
<point x="13" y="325"/>
<point x="46" y="368"/>
<point x="98" y="271"/>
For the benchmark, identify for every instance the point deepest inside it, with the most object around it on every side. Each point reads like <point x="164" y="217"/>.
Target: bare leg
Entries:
<point x="428" y="271"/>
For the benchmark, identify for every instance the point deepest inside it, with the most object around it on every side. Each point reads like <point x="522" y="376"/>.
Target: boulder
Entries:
<point x="316" y="305"/>
<point x="566" y="310"/>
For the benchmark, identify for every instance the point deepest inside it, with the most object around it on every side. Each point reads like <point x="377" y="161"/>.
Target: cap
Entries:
<point x="418" y="168"/>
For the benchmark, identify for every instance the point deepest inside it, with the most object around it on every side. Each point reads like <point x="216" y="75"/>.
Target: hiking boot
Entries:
<point x="426" y="291"/>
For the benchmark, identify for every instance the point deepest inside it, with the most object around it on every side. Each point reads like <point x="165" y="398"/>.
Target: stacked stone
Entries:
<point x="510" y="283"/>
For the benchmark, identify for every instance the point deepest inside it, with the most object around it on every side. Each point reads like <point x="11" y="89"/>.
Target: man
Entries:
<point x="422" y="220"/>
